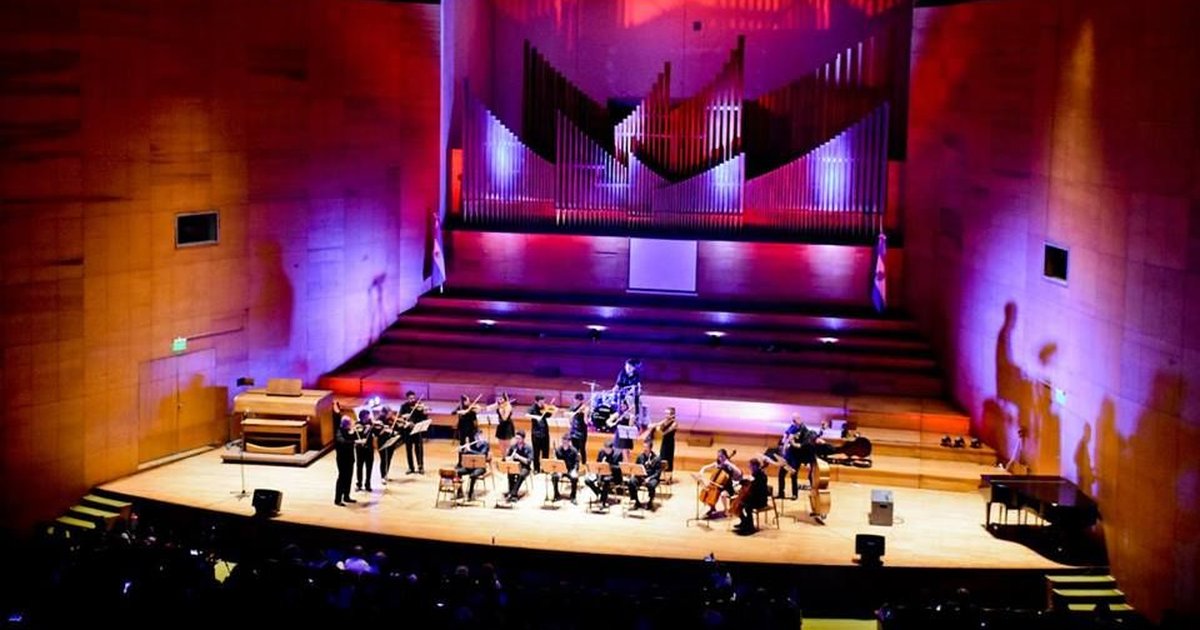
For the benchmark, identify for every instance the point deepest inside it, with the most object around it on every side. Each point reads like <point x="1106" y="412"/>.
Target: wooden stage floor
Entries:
<point x="933" y="528"/>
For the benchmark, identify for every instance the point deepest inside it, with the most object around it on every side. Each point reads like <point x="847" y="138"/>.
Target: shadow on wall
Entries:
<point x="1021" y="421"/>
<point x="379" y="317"/>
<point x="1147" y="481"/>
<point x="275" y="293"/>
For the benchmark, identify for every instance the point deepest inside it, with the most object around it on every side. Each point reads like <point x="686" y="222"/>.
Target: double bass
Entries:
<point x="819" y="499"/>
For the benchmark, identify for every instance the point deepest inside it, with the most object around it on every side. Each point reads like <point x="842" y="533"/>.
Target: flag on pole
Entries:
<point x="879" y="279"/>
<point x="435" y="260"/>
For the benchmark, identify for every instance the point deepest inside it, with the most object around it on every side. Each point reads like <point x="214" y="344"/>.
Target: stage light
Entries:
<point x="714" y="334"/>
<point x="827" y="340"/>
<point x="487" y="323"/>
<point x="594" y="331"/>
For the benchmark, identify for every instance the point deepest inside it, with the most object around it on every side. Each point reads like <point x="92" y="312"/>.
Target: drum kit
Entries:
<point x="607" y="403"/>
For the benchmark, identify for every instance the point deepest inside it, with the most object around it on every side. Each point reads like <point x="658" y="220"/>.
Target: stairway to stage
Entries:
<point x="808" y="350"/>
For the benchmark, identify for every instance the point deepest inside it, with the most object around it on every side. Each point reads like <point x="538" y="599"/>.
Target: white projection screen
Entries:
<point x="662" y="266"/>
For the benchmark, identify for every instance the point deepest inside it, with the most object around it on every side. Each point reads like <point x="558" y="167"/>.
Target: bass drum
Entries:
<point x="600" y="416"/>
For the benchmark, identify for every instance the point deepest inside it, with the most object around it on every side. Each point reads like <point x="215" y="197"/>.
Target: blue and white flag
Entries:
<point x="435" y="259"/>
<point x="879" y="279"/>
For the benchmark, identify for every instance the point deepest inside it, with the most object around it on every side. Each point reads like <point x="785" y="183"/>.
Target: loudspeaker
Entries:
<point x="881" y="507"/>
<point x="266" y="502"/>
<point x="869" y="548"/>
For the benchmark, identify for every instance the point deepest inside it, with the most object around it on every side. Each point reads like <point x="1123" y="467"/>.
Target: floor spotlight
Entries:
<point x="487" y="324"/>
<point x="827" y="340"/>
<point x="594" y="331"/>
<point x="714" y="337"/>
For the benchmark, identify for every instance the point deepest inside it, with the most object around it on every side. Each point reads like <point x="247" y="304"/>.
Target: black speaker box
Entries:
<point x="267" y="502"/>
<point x="869" y="548"/>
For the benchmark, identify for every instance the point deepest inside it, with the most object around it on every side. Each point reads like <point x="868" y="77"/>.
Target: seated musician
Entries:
<point x="569" y="456"/>
<point x="601" y="484"/>
<point x="477" y="446"/>
<point x="649" y="460"/>
<point x="629" y="384"/>
<point x="732" y="474"/>
<point x="755" y="497"/>
<point x="468" y="419"/>
<point x="519" y="451"/>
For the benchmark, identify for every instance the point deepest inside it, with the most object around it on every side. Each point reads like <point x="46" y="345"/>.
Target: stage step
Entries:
<point x="109" y="504"/>
<point x="1061" y="598"/>
<point x="102" y="518"/>
<point x="814" y="352"/>
<point x="70" y="523"/>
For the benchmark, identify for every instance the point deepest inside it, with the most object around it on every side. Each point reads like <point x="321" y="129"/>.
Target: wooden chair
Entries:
<point x="666" y="480"/>
<point x="449" y="484"/>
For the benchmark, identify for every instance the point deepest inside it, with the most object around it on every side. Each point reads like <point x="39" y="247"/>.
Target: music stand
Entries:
<point x="421" y="427"/>
<point x="506" y="468"/>
<point x="626" y="434"/>
<point x="599" y="470"/>
<point x="551" y="466"/>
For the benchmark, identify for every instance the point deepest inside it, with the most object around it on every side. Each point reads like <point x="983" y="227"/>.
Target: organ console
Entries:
<point x="291" y="416"/>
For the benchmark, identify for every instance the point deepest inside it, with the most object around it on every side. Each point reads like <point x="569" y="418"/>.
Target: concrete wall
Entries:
<point x="1072" y="122"/>
<point x="311" y="126"/>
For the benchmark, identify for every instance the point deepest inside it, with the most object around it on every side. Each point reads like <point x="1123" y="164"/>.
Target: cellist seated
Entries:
<point x="717" y="483"/>
<point x="753" y="496"/>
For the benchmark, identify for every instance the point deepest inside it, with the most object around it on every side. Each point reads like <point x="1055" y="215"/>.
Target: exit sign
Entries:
<point x="179" y="344"/>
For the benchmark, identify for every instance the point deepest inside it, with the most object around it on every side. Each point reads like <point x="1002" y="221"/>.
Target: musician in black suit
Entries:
<point x="344" y="446"/>
<point x="755" y="498"/>
<point x="477" y="446"/>
<point x="569" y="455"/>
<point x="387" y="428"/>
<point x="412" y="412"/>
<point x="539" y="423"/>
<point x="601" y="484"/>
<point x="649" y="460"/>
<point x="579" y="426"/>
<point x="519" y="451"/>
<point x="364" y="449"/>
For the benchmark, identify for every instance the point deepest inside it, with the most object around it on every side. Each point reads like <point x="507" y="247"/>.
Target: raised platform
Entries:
<point x="933" y="529"/>
<point x="815" y="351"/>
<point x="905" y="432"/>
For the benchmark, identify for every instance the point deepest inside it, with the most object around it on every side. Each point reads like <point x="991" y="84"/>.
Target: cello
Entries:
<point x="714" y="484"/>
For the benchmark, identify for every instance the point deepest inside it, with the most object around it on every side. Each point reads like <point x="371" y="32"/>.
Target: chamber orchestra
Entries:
<point x="724" y="489"/>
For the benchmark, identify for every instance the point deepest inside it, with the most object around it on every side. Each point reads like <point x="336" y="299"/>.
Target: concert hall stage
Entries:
<point x="932" y="528"/>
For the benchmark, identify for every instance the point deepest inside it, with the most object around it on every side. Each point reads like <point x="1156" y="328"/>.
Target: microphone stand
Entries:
<point x="242" y="494"/>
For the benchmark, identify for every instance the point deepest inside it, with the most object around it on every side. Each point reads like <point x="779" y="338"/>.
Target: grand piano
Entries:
<point x="1055" y="501"/>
